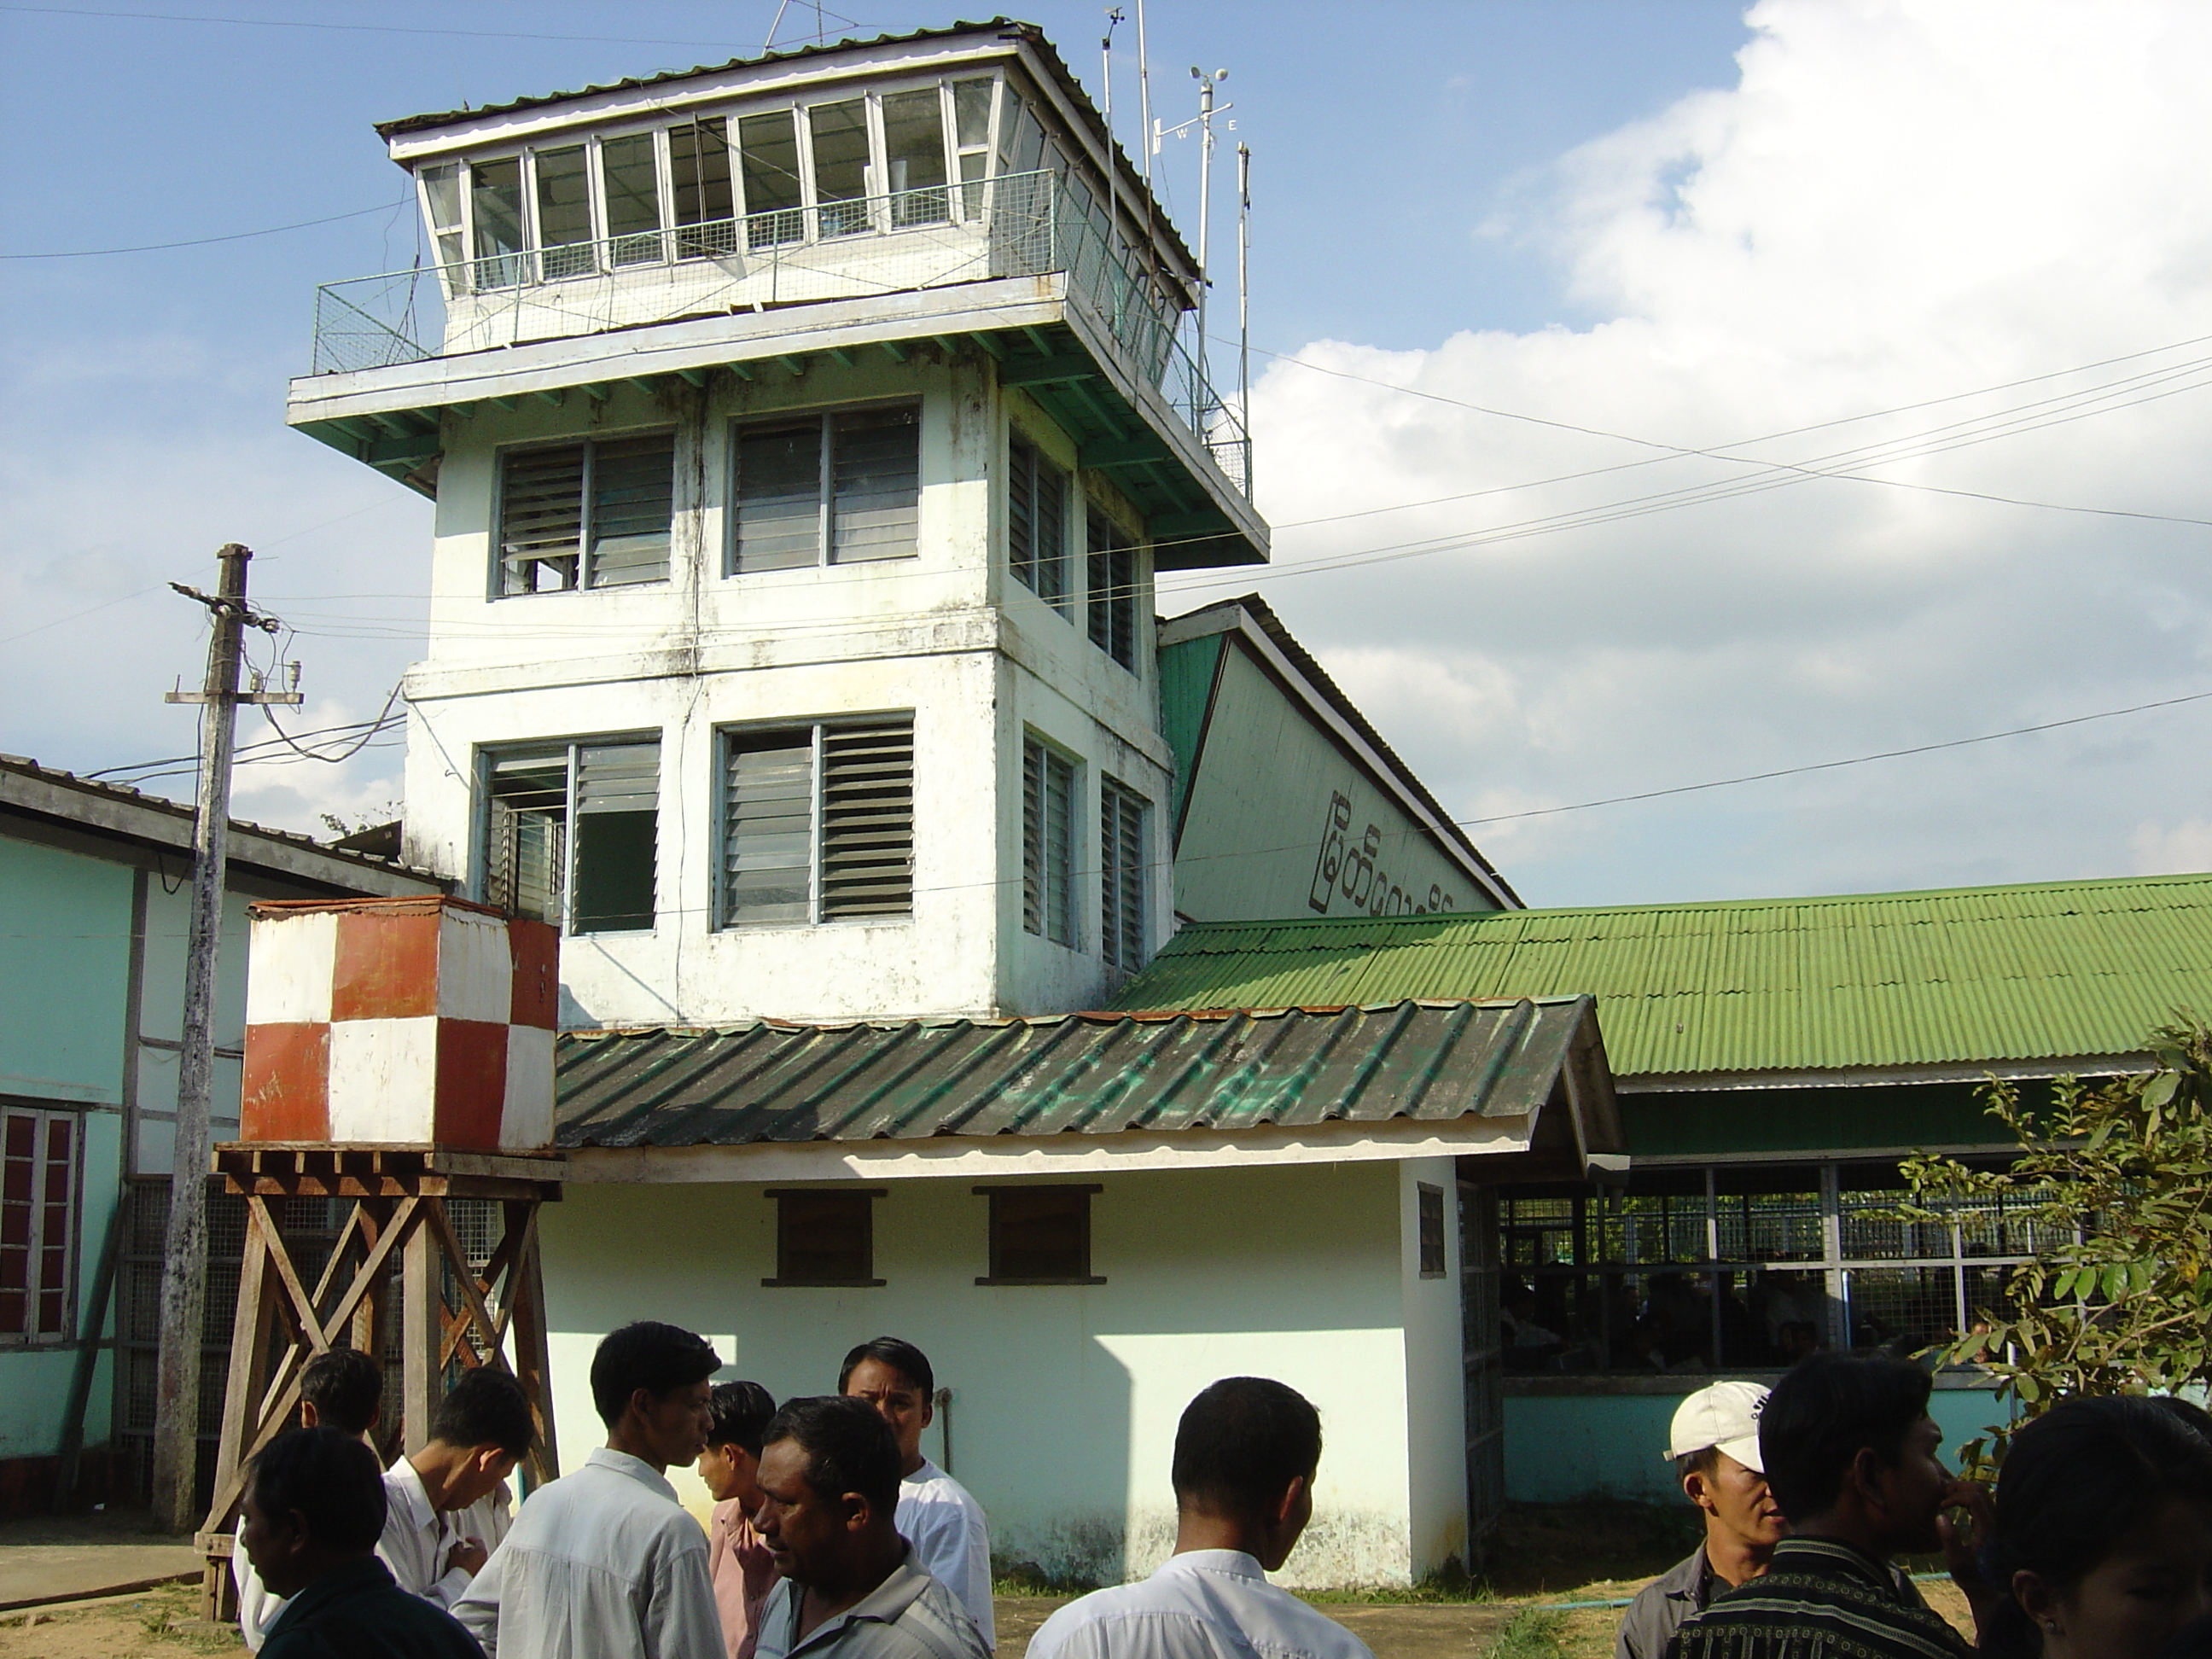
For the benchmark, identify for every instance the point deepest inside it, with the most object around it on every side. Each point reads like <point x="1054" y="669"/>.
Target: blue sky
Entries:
<point x="1589" y="212"/>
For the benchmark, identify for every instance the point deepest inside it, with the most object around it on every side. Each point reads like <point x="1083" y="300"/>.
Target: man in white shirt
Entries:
<point x="1245" y="1455"/>
<point x="951" y="1536"/>
<point x="604" y="1562"/>
<point x="851" y="1588"/>
<point x="339" y="1388"/>
<point x="446" y="1506"/>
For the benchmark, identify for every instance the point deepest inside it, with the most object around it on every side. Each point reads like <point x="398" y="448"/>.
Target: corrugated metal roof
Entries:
<point x="1081" y="1074"/>
<point x="1969" y="976"/>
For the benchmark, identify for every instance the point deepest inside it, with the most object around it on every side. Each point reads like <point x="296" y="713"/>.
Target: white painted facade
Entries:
<point x="1065" y="1398"/>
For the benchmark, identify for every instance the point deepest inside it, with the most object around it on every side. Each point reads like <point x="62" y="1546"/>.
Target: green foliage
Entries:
<point x="2122" y="1173"/>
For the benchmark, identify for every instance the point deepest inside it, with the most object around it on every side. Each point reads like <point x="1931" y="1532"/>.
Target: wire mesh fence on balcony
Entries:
<point x="1025" y="224"/>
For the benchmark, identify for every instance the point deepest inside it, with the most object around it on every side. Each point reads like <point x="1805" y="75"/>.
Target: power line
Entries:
<point x="1830" y="766"/>
<point x="207" y="241"/>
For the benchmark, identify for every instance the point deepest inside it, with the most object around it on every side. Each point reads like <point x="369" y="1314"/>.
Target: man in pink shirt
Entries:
<point x="739" y="1564"/>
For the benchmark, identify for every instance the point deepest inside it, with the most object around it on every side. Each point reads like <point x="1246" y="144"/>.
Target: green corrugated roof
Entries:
<point x="1969" y="976"/>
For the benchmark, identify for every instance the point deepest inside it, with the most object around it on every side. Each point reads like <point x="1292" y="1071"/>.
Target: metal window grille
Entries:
<point x="1431" y="1239"/>
<point x="39" y="1152"/>
<point x="1122" y="813"/>
<point x="1036" y="523"/>
<point x="817" y="822"/>
<point x="840" y="488"/>
<point x="596" y="514"/>
<point x="1747" y="1267"/>
<point x="571" y="835"/>
<point x="1047" y="842"/>
<point x="1112" y="592"/>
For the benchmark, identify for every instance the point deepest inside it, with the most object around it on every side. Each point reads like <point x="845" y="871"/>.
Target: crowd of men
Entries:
<point x="833" y="1537"/>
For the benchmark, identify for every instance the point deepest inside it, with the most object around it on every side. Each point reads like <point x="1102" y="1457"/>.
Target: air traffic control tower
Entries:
<point x="805" y="433"/>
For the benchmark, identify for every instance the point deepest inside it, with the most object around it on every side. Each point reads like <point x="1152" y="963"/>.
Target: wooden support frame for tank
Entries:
<point x="398" y="1214"/>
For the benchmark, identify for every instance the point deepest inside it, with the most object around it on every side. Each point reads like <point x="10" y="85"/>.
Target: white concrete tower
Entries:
<point x="805" y="433"/>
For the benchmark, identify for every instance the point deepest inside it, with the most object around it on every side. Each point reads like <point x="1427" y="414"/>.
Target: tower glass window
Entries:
<point x="768" y="166"/>
<point x="1048" y="784"/>
<point x="595" y="512"/>
<point x="1113" y="591"/>
<point x="699" y="173"/>
<point x="570" y="833"/>
<point x="1036" y="523"/>
<point x="495" y="210"/>
<point x="839" y="488"/>
<point x="631" y="189"/>
<point x="564" y="213"/>
<point x="840" y="132"/>
<point x="1121" y="814"/>
<point x="913" y="151"/>
<point x="817" y="822"/>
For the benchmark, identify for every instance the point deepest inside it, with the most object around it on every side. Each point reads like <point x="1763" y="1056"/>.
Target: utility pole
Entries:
<point x="184" y="1265"/>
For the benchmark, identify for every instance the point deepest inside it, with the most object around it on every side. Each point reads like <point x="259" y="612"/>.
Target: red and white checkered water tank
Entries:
<point x="406" y="1022"/>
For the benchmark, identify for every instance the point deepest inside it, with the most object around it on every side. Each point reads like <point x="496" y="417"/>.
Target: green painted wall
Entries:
<point x="1562" y="1446"/>
<point x="1737" y="1121"/>
<point x="1281" y="823"/>
<point x="65" y="962"/>
<point x="1186" y="683"/>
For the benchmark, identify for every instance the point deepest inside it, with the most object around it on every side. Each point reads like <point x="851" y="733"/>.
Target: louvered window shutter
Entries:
<point x="1047" y="848"/>
<point x="1113" y="585"/>
<point x="867" y="820"/>
<point x="1121" y="877"/>
<point x="875" y="487"/>
<point x="767" y="838"/>
<point x="526" y="838"/>
<point x="779" y="497"/>
<point x="633" y="504"/>
<point x="541" y="520"/>
<point x="1037" y="522"/>
<point x="617" y="821"/>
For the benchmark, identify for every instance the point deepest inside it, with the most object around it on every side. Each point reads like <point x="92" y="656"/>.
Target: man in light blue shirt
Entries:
<point x="604" y="1562"/>
<point x="1245" y="1456"/>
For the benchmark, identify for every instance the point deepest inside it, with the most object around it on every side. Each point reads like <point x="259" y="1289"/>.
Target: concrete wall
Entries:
<point x="1562" y="1446"/>
<point x="1436" y="1397"/>
<point x="1066" y="1398"/>
<point x="948" y="634"/>
<point x="1281" y="823"/>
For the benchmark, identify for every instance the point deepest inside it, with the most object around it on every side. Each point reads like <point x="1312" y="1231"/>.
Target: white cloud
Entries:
<point x="2159" y="851"/>
<point x="1899" y="202"/>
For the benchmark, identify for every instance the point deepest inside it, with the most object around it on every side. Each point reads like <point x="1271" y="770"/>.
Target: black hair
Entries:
<point x="330" y="1478"/>
<point x="2183" y="1411"/>
<point x="2075" y="1482"/>
<point x="346" y="1387"/>
<point x="1704" y="1461"/>
<point x="900" y="1355"/>
<point x="1241" y="1442"/>
<point x="486" y="1407"/>
<point x="1826" y="1410"/>
<point x="848" y="1447"/>
<point x="646" y="1355"/>
<point x="742" y="1411"/>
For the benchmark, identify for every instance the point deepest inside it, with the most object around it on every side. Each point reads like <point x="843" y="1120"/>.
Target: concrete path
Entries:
<point x="68" y="1558"/>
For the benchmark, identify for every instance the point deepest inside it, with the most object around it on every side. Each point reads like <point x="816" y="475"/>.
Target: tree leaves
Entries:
<point x="2117" y="1175"/>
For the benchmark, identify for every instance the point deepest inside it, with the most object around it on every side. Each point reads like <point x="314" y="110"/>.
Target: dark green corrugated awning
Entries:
<point x="1490" y="1065"/>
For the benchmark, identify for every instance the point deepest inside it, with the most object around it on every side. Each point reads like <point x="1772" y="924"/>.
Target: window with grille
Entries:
<point x="1431" y="1241"/>
<point x="570" y="834"/>
<point x="39" y="1152"/>
<point x="1036" y="523"/>
<point x="1113" y="591"/>
<point x="841" y="488"/>
<point x="1122" y="813"/>
<point x="825" y="1238"/>
<point x="1040" y="1235"/>
<point x="1748" y="1266"/>
<point x="817" y="822"/>
<point x="1047" y="842"/>
<point x="593" y="513"/>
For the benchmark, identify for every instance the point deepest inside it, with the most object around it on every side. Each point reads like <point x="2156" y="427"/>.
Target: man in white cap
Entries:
<point x="1714" y="1446"/>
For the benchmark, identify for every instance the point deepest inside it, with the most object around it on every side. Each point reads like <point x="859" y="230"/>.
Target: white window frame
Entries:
<point x="568" y="750"/>
<point x="816" y="729"/>
<point x="41" y="1114"/>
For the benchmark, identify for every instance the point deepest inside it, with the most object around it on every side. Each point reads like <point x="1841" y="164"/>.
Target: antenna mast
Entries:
<point x="1243" y="305"/>
<point x="1206" y="85"/>
<point x="1113" y="172"/>
<point x="1150" y="139"/>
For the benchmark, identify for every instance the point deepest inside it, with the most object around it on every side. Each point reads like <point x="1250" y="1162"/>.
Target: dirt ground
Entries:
<point x="1545" y="1556"/>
